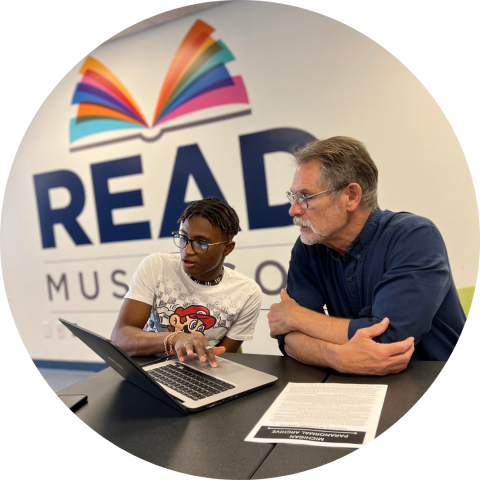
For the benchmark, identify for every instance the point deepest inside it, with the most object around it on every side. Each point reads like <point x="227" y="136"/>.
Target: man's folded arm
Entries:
<point x="413" y="287"/>
<point x="302" y="287"/>
<point x="360" y="355"/>
<point x="309" y="350"/>
<point x="318" y="325"/>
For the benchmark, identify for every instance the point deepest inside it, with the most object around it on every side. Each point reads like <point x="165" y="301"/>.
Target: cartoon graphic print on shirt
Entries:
<point x="186" y="318"/>
<point x="195" y="318"/>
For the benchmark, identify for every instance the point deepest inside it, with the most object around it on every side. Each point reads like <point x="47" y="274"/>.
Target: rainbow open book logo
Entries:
<point x="196" y="80"/>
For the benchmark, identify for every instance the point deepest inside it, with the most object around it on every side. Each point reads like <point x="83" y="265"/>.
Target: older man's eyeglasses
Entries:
<point x="303" y="200"/>
<point x="198" y="246"/>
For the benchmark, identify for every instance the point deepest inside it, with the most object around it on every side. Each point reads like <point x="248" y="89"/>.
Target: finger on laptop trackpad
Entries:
<point x="224" y="367"/>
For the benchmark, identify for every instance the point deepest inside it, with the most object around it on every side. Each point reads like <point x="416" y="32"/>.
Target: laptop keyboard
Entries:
<point x="188" y="381"/>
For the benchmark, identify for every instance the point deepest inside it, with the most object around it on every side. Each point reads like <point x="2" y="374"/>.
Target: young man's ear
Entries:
<point x="229" y="247"/>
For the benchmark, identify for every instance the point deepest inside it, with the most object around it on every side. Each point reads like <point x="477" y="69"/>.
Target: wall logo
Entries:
<point x="196" y="80"/>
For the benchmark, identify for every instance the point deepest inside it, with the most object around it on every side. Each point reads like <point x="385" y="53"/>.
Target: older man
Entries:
<point x="367" y="289"/>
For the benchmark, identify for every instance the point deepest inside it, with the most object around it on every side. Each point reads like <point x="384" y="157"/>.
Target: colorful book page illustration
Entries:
<point x="197" y="79"/>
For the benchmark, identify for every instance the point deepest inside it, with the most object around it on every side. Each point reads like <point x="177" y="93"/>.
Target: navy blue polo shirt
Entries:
<point x="397" y="267"/>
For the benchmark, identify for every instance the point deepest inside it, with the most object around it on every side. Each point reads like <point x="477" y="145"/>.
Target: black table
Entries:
<point x="404" y="390"/>
<point x="144" y="426"/>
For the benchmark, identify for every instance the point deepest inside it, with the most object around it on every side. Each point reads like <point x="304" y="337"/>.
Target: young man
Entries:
<point x="190" y="303"/>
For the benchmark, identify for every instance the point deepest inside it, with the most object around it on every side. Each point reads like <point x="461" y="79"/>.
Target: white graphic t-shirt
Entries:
<point x="178" y="303"/>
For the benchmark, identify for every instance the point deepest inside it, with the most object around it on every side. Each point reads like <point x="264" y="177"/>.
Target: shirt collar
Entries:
<point x="359" y="246"/>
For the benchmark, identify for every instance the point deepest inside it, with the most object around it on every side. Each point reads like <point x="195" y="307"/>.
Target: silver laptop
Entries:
<point x="187" y="386"/>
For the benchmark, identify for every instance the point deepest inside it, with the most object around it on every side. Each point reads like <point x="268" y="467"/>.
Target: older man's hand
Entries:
<point x="363" y="356"/>
<point x="284" y="316"/>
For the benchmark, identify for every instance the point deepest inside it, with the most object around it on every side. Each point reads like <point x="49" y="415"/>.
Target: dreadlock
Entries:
<point x="218" y="212"/>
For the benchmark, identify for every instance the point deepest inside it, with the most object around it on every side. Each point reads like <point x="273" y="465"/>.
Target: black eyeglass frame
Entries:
<point x="177" y="235"/>
<point x="302" y="199"/>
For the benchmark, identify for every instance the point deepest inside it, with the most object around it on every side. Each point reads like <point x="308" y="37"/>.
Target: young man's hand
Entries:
<point x="188" y="344"/>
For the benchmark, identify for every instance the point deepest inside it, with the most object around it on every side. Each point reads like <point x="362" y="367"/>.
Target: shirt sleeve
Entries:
<point x="302" y="286"/>
<point x="142" y="285"/>
<point x="414" y="285"/>
<point x="244" y="325"/>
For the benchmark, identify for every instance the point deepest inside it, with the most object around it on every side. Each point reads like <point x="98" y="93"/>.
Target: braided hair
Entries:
<point x="218" y="212"/>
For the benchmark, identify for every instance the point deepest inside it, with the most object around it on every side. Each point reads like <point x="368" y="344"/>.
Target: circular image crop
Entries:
<point x="216" y="100"/>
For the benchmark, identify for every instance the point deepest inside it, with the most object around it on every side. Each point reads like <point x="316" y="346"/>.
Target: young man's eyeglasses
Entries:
<point x="198" y="246"/>
<point x="302" y="199"/>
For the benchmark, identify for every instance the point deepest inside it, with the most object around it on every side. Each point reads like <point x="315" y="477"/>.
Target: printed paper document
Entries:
<point x="322" y="414"/>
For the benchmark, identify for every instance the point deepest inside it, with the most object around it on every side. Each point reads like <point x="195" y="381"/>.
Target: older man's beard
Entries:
<point x="309" y="238"/>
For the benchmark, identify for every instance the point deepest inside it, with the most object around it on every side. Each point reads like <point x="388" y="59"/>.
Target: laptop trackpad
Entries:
<point x="224" y="367"/>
